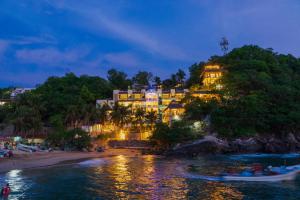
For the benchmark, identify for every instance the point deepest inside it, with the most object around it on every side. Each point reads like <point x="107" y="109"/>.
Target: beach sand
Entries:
<point x="24" y="160"/>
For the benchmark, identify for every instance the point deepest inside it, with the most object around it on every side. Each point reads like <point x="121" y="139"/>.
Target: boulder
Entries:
<point x="207" y="145"/>
<point x="250" y="145"/>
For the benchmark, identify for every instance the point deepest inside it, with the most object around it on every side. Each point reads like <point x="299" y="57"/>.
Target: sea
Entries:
<point x="151" y="177"/>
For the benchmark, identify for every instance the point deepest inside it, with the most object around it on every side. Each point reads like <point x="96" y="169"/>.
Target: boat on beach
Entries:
<point x="27" y="148"/>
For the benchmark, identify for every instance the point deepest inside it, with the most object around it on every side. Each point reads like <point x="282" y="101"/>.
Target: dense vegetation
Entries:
<point x="260" y="94"/>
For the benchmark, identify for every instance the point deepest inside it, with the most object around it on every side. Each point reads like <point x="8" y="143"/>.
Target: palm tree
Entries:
<point x="26" y="121"/>
<point x="139" y="118"/>
<point x="151" y="118"/>
<point x="180" y="75"/>
<point x="73" y="116"/>
<point x="102" y="114"/>
<point x="120" y="115"/>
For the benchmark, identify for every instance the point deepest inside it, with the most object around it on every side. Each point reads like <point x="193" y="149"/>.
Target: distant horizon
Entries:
<point x="44" y="38"/>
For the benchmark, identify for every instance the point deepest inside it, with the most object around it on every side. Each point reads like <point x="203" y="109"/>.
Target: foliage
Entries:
<point x="195" y="74"/>
<point x="180" y="131"/>
<point x="71" y="139"/>
<point x="151" y="118"/>
<point x="120" y="115"/>
<point x="197" y="109"/>
<point x="142" y="78"/>
<point x="139" y="117"/>
<point x="176" y="80"/>
<point x="261" y="93"/>
<point x="5" y="93"/>
<point x="157" y="80"/>
<point x="118" y="79"/>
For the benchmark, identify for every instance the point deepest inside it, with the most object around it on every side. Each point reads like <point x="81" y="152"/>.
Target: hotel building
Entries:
<point x="166" y="103"/>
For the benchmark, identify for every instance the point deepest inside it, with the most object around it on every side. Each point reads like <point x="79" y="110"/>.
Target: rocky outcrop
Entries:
<point x="209" y="144"/>
<point x="261" y="144"/>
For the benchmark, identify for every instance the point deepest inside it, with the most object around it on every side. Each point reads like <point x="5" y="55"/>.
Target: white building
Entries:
<point x="18" y="91"/>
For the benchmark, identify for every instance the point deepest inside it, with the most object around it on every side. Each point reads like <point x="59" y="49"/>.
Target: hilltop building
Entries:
<point x="18" y="91"/>
<point x="167" y="104"/>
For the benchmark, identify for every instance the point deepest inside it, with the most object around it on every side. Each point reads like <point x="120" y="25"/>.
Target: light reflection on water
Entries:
<point x="143" y="177"/>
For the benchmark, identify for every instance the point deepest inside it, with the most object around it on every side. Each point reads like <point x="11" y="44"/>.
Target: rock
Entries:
<point x="260" y="144"/>
<point x="249" y="145"/>
<point x="292" y="142"/>
<point x="275" y="145"/>
<point x="207" y="145"/>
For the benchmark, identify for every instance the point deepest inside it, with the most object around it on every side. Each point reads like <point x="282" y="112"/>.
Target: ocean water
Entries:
<point x="150" y="177"/>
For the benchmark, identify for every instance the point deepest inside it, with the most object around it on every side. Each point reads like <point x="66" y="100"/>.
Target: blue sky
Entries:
<point x="41" y="38"/>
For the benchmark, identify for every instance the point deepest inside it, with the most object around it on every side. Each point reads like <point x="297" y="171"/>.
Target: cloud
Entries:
<point x="97" y="20"/>
<point x="26" y="40"/>
<point x="50" y="56"/>
<point x="3" y="47"/>
<point x="124" y="59"/>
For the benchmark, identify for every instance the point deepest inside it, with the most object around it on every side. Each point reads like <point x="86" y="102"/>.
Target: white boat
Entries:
<point x="290" y="175"/>
<point x="27" y="148"/>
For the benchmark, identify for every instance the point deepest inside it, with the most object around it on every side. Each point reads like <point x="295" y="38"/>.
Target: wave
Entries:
<point x="183" y="173"/>
<point x="93" y="162"/>
<point x="264" y="155"/>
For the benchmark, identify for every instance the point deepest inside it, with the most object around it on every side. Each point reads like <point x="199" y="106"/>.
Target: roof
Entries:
<point x="203" y="92"/>
<point x="131" y="100"/>
<point x="174" y="105"/>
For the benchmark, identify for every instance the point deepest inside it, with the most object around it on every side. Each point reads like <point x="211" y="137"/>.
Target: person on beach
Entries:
<point x="5" y="192"/>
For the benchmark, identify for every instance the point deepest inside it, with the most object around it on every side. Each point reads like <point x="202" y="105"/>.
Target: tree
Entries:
<point x="118" y="79"/>
<point x="168" y="83"/>
<point x="166" y="137"/>
<point x="75" y="139"/>
<point x="86" y="95"/>
<point x="180" y="76"/>
<point x="151" y="118"/>
<point x="139" y="118"/>
<point x="157" y="80"/>
<point x="259" y="92"/>
<point x="142" y="78"/>
<point x="120" y="115"/>
<point x="26" y="121"/>
<point x="198" y="109"/>
<point x="224" y="45"/>
<point x="195" y="74"/>
<point x="175" y="80"/>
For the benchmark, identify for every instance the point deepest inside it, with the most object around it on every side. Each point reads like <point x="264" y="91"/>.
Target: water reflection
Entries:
<point x="146" y="177"/>
<point x="17" y="183"/>
<point x="122" y="176"/>
<point x="143" y="177"/>
<point x="220" y="191"/>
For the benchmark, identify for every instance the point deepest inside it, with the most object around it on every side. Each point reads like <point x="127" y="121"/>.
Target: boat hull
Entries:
<point x="274" y="178"/>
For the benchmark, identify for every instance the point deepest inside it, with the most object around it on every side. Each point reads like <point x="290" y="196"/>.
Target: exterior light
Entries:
<point x="176" y="118"/>
<point x="122" y="135"/>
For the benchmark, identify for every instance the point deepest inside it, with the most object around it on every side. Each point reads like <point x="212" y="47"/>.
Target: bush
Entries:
<point x="165" y="136"/>
<point x="75" y="139"/>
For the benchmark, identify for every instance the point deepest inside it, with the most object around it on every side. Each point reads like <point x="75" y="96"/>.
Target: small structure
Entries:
<point x="19" y="91"/>
<point x="174" y="111"/>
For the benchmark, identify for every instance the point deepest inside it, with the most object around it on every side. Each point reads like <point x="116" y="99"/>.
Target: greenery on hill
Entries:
<point x="260" y="94"/>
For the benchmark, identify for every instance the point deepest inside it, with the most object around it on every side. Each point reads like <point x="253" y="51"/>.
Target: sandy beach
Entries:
<point x="23" y="160"/>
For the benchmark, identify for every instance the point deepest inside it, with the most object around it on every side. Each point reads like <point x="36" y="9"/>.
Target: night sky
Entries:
<point x="41" y="38"/>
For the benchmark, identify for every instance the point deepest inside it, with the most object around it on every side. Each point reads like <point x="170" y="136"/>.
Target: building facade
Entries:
<point x="167" y="104"/>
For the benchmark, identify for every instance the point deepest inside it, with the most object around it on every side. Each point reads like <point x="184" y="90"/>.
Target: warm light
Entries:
<point x="176" y="118"/>
<point x="212" y="67"/>
<point x="122" y="135"/>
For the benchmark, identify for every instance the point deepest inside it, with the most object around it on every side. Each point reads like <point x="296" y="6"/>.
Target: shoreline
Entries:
<point x="23" y="160"/>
